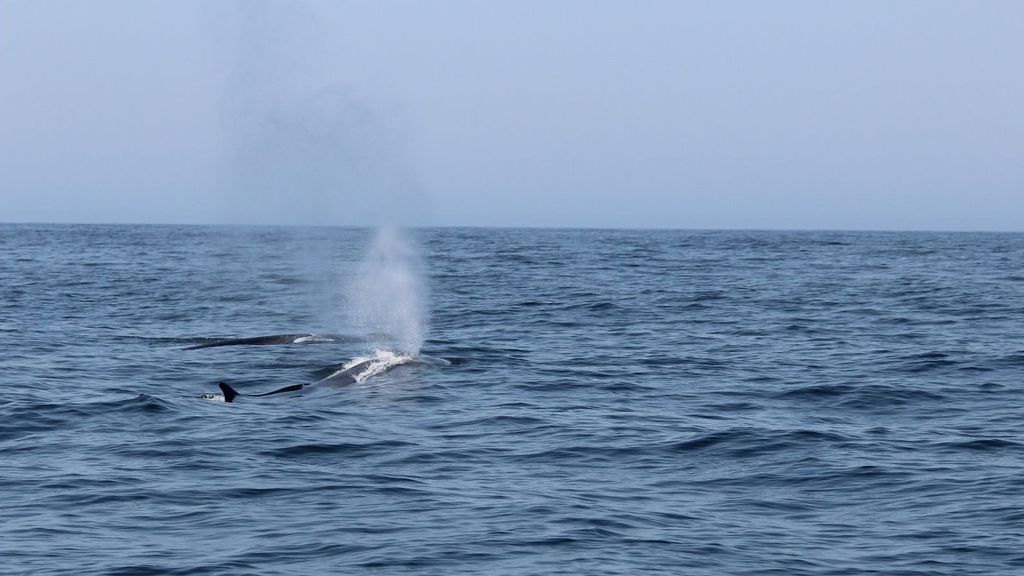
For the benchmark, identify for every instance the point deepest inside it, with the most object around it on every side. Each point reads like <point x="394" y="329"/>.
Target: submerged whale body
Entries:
<point x="266" y="340"/>
<point x="303" y="338"/>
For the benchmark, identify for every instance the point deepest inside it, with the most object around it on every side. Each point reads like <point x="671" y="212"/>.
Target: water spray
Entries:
<point x="388" y="294"/>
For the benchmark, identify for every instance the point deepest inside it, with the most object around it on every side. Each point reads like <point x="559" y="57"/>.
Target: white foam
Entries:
<point x="380" y="361"/>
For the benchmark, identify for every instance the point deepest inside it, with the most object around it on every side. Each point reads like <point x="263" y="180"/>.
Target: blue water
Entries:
<point x="617" y="402"/>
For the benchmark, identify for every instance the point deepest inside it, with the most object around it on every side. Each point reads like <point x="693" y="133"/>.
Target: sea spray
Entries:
<point x="387" y="296"/>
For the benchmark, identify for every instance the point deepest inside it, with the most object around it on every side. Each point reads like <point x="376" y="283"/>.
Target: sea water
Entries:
<point x="607" y="402"/>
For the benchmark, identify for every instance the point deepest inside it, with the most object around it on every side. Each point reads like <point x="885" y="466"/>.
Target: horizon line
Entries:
<point x="518" y="227"/>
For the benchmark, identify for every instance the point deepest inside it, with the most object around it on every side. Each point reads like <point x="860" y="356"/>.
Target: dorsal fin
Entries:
<point x="229" y="392"/>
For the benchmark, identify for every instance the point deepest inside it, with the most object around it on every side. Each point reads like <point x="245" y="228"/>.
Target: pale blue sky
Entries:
<point x="718" y="114"/>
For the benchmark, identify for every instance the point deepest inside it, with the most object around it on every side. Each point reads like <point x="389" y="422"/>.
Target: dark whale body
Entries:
<point x="230" y="393"/>
<point x="264" y="340"/>
<point x="340" y="378"/>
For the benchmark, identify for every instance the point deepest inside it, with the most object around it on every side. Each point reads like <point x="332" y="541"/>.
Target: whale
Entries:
<point x="230" y="393"/>
<point x="342" y="377"/>
<point x="360" y="368"/>
<point x="351" y="375"/>
<point x="267" y="340"/>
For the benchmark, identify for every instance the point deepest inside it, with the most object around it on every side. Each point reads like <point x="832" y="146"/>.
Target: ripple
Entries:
<point x="349" y="449"/>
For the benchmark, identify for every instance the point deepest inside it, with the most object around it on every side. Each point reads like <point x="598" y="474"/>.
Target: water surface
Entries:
<point x="618" y="402"/>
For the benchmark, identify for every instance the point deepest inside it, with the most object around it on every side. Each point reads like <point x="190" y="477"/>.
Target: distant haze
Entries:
<point x="719" y="114"/>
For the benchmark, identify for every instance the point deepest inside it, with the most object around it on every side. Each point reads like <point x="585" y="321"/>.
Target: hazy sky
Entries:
<point x="713" y="114"/>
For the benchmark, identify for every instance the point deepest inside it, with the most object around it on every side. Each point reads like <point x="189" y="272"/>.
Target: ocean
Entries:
<point x="590" y="402"/>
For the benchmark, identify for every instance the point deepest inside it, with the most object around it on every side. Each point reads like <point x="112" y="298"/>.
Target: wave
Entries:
<point x="863" y="396"/>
